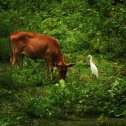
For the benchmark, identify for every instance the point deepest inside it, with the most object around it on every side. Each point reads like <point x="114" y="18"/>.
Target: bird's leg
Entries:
<point x="93" y="77"/>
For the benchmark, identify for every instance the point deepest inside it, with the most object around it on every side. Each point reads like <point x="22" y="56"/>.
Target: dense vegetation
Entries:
<point x="82" y="27"/>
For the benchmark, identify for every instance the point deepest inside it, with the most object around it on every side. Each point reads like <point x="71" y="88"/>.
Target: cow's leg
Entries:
<point x="11" y="58"/>
<point x="50" y="70"/>
<point x="20" y="61"/>
<point x="47" y="71"/>
<point x="14" y="59"/>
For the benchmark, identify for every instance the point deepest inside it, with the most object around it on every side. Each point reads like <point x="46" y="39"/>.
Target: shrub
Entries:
<point x="33" y="73"/>
<point x="92" y="98"/>
<point x="117" y="97"/>
<point x="65" y="99"/>
<point x="4" y="50"/>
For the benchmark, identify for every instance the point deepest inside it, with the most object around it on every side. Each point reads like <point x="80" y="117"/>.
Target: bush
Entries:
<point x="118" y="100"/>
<point x="33" y="73"/>
<point x="81" y="27"/>
<point x="90" y="99"/>
<point x="66" y="99"/>
<point x="4" y="50"/>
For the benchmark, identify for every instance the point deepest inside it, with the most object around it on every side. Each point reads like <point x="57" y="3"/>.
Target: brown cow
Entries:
<point x="38" y="46"/>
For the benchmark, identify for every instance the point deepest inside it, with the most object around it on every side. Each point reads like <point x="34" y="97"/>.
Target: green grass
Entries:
<point x="82" y="28"/>
<point x="4" y="50"/>
<point x="20" y="87"/>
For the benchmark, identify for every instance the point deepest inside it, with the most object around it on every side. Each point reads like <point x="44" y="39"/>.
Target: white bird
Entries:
<point x="93" y="67"/>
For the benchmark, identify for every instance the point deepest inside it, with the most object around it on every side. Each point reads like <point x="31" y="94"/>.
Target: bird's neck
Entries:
<point x="91" y="60"/>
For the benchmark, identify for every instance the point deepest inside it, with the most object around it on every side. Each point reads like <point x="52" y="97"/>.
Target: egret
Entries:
<point x="93" y="67"/>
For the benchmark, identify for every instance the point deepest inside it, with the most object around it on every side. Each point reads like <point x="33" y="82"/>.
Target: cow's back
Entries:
<point x="34" y="45"/>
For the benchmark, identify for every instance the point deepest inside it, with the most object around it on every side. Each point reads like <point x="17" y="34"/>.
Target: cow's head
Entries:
<point x="62" y="69"/>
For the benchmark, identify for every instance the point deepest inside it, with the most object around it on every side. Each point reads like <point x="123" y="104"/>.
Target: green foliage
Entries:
<point x="4" y="50"/>
<point x="6" y="24"/>
<point x="118" y="100"/>
<point x="99" y="27"/>
<point x="65" y="99"/>
<point x="32" y="74"/>
<point x="82" y="27"/>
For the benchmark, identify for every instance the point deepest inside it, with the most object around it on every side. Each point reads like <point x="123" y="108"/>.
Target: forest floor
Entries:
<point x="13" y="107"/>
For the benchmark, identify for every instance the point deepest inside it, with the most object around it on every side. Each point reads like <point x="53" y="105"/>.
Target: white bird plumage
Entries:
<point x="93" y="67"/>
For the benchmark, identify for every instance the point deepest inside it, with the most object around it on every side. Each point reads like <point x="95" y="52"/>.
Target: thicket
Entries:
<point x="97" y="26"/>
<point x="82" y="27"/>
<point x="67" y="99"/>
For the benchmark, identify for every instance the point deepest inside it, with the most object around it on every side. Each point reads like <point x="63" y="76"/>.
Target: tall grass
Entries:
<point x="5" y="50"/>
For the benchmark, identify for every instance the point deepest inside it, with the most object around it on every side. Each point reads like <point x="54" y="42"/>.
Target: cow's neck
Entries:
<point x="60" y="60"/>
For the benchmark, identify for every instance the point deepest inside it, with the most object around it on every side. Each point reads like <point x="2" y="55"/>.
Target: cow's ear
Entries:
<point x="65" y="65"/>
<point x="70" y="64"/>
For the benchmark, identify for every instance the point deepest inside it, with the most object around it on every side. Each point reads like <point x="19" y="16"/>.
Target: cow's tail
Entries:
<point x="11" y="53"/>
